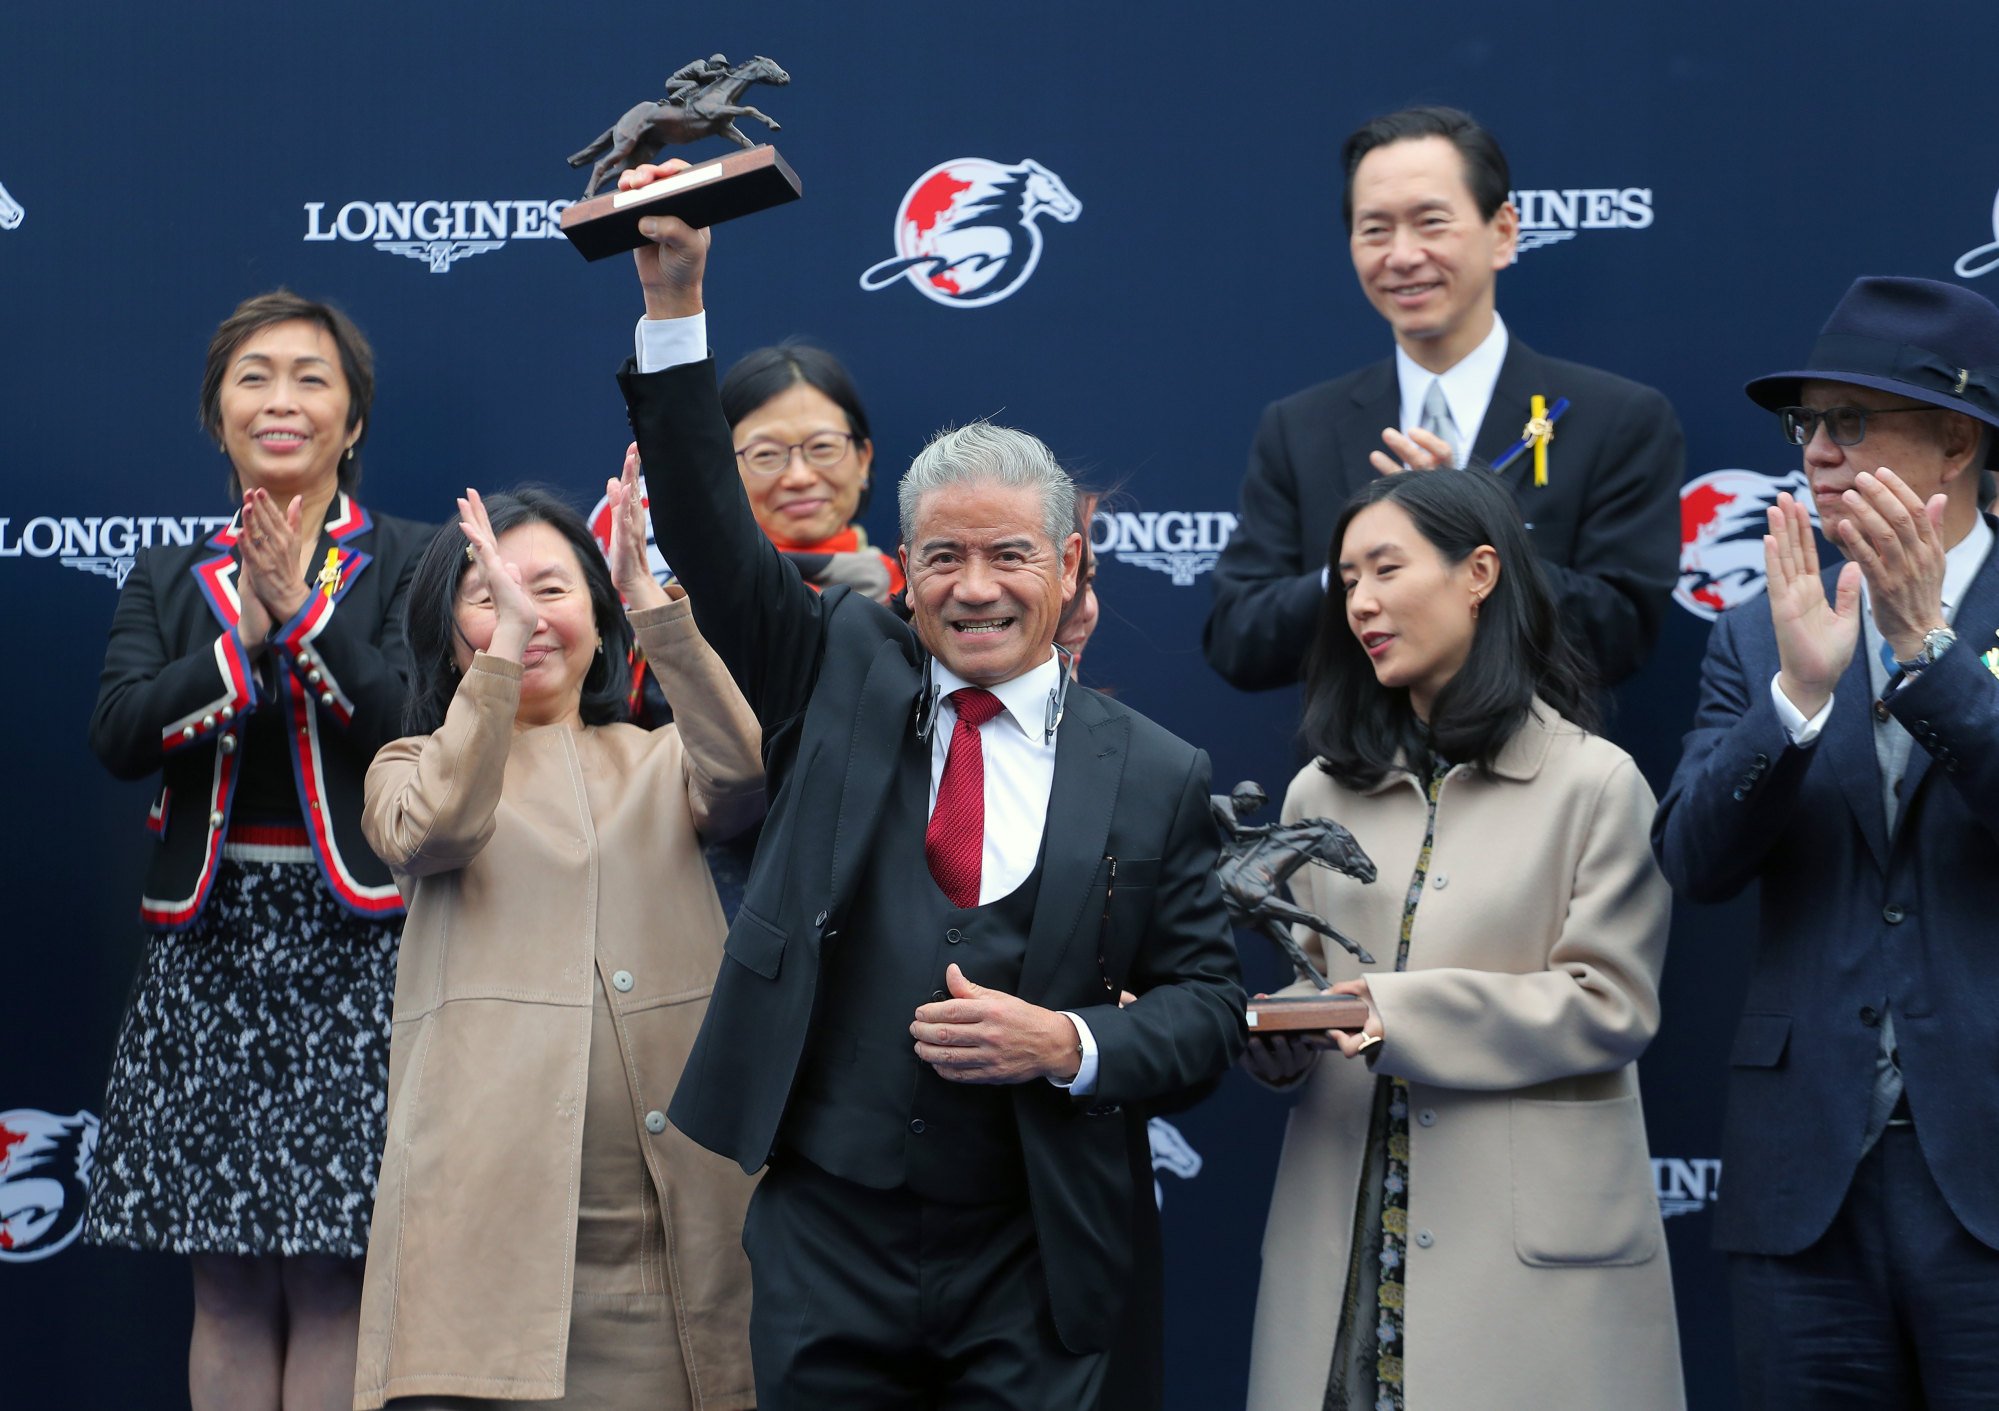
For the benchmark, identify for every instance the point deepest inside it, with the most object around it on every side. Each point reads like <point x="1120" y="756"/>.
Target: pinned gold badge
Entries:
<point x="1991" y="660"/>
<point x="1540" y="430"/>
<point x="329" y="575"/>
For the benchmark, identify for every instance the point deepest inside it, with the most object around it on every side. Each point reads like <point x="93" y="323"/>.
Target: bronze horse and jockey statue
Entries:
<point x="702" y="100"/>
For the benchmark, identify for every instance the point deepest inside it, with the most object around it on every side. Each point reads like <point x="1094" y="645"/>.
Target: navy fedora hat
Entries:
<point x="1921" y="338"/>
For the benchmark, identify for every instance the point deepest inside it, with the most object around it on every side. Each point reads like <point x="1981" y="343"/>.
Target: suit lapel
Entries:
<point x="1090" y="748"/>
<point x="1377" y="403"/>
<point x="881" y="716"/>
<point x="1847" y="745"/>
<point x="1520" y="377"/>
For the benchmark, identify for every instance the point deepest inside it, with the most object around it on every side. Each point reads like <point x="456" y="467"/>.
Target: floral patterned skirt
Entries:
<point x="246" y="1108"/>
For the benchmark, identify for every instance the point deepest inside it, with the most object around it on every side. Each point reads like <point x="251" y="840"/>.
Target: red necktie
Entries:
<point x="956" y="839"/>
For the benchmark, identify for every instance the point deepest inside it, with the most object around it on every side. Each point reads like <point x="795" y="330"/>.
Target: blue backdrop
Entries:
<point x="162" y="162"/>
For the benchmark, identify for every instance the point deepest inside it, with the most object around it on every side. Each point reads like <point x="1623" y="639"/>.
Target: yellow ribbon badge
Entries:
<point x="329" y="576"/>
<point x="1540" y="430"/>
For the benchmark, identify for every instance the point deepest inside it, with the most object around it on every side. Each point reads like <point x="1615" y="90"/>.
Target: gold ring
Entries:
<point x="471" y="553"/>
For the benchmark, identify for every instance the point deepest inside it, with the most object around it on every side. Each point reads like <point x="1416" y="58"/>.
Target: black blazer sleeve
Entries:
<point x="147" y="690"/>
<point x="1186" y="1026"/>
<point x="750" y="605"/>
<point x="1268" y="594"/>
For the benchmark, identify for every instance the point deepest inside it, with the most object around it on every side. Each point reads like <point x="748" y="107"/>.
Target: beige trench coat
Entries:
<point x="534" y="864"/>
<point x="1536" y="1274"/>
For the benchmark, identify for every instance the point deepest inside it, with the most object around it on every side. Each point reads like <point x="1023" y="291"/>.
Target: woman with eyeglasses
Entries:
<point x="803" y="450"/>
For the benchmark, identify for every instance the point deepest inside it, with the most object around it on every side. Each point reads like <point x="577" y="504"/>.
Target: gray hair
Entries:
<point x="983" y="452"/>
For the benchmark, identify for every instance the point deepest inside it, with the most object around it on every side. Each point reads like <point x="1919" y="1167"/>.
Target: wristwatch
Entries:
<point x="1936" y="642"/>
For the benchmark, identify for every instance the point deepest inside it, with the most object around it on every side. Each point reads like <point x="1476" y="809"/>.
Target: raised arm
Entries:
<point x="751" y="606"/>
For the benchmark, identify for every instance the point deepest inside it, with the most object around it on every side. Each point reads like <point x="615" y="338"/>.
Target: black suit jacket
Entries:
<point x="1853" y="920"/>
<point x="178" y="692"/>
<point x="1606" y="525"/>
<point x="835" y="680"/>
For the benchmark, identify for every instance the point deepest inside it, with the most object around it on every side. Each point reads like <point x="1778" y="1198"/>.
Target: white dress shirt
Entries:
<point x="1467" y="385"/>
<point x="1014" y="741"/>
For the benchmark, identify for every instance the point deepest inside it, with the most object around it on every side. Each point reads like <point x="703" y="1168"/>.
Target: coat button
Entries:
<point x="313" y="676"/>
<point x="215" y="819"/>
<point x="187" y="732"/>
<point x="916" y="1125"/>
<point x="228" y="744"/>
<point x="820" y="919"/>
<point x="1427" y="1117"/>
<point x="1881" y="711"/>
<point x="1424" y="1239"/>
<point x="1892" y="915"/>
<point x="326" y="698"/>
<point x="655" y="1121"/>
<point x="208" y="722"/>
<point x="621" y="981"/>
<point x="940" y="994"/>
<point x="1440" y="881"/>
<point x="1760" y="763"/>
<point x="1869" y="1015"/>
<point x="227" y="712"/>
<point x="953" y="936"/>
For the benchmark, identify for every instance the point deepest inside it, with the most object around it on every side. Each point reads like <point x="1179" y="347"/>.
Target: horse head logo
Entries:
<point x="1723" y="518"/>
<point x="45" y="1168"/>
<point x="10" y="211"/>
<point x="968" y="232"/>
<point x="1985" y="258"/>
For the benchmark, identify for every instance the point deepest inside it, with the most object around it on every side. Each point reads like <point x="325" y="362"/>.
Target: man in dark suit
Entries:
<point x="1845" y="755"/>
<point x="1429" y="227"/>
<point x="916" y="1025"/>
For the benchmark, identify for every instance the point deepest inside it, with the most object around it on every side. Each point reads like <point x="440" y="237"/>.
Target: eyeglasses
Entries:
<point x="1846" y="425"/>
<point x="821" y="452"/>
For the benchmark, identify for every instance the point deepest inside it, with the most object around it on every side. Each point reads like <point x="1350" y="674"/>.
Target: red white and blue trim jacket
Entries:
<point x="178" y="692"/>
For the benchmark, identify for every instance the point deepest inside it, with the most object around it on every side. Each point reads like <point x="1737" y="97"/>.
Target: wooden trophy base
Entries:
<point x="738" y="184"/>
<point x="1298" y="1014"/>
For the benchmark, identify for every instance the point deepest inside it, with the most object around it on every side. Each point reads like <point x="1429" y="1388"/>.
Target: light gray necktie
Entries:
<point x="1437" y="418"/>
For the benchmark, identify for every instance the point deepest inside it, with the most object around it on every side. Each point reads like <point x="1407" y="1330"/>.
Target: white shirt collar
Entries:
<point x="1468" y="384"/>
<point x="1024" y="698"/>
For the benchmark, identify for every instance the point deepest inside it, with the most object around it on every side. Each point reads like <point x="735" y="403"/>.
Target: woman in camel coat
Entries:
<point x="540" y="1231"/>
<point x="1464" y="1213"/>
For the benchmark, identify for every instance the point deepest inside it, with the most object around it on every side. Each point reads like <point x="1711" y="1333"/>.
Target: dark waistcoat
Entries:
<point x="866" y="1108"/>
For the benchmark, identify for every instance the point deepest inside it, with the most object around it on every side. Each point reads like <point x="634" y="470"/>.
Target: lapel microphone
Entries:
<point x="931" y="694"/>
<point x="926" y="700"/>
<point x="1059" y="696"/>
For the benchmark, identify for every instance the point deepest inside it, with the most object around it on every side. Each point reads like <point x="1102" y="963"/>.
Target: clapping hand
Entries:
<point x="631" y="566"/>
<point x="1897" y="540"/>
<point x="271" y="586"/>
<point x="1815" y="638"/>
<point x="1416" y="449"/>
<point x="516" y="617"/>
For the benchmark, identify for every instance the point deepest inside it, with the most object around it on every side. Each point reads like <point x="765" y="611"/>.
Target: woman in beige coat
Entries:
<point x="541" y="1234"/>
<point x="1464" y="1213"/>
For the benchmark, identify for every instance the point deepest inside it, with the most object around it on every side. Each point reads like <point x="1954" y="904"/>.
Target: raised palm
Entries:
<point x="1816" y="637"/>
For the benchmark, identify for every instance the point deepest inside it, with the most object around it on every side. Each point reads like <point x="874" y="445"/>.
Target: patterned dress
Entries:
<point x="246" y="1107"/>
<point x="1368" y="1351"/>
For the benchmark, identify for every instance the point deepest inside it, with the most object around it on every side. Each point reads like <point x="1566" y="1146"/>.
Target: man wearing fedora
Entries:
<point x="1845" y="755"/>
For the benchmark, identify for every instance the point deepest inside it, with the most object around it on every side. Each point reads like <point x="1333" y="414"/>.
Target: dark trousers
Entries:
<point x="1895" y="1308"/>
<point x="883" y="1300"/>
